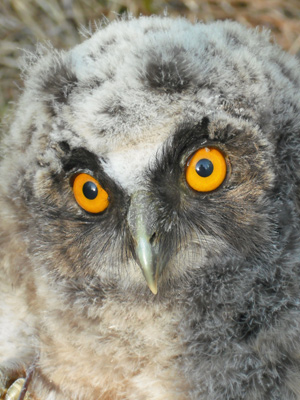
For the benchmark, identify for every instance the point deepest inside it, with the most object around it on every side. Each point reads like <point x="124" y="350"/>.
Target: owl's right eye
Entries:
<point x="89" y="194"/>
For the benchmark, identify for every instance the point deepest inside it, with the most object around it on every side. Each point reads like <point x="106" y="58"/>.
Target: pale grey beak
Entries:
<point x="141" y="221"/>
<point x="146" y="257"/>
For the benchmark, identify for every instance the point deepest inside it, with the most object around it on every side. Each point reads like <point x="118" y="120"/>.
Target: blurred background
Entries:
<point x="23" y="23"/>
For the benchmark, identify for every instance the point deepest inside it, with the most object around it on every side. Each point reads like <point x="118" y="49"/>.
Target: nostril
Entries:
<point x="152" y="239"/>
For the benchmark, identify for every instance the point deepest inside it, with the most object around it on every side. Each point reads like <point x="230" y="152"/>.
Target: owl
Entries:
<point x="150" y="218"/>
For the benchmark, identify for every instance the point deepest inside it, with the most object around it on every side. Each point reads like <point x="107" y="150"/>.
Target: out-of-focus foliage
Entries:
<point x="23" y="23"/>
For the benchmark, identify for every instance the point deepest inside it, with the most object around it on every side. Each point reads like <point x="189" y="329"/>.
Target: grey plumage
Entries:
<point x="130" y="106"/>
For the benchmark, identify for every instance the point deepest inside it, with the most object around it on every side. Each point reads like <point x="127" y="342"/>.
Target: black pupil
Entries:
<point x="90" y="190"/>
<point x="204" y="167"/>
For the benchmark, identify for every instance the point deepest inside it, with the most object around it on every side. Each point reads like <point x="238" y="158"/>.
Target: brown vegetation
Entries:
<point x="23" y="23"/>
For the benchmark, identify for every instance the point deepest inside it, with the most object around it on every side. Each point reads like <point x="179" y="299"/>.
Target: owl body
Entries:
<point x="130" y="107"/>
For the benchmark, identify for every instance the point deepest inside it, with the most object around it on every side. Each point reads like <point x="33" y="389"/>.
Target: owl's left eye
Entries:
<point x="89" y="194"/>
<point x="206" y="170"/>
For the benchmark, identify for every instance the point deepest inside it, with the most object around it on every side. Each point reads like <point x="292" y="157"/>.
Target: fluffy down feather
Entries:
<point x="129" y="106"/>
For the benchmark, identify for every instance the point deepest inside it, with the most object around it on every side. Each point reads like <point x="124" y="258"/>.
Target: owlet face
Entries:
<point x="145" y="160"/>
<point x="157" y="154"/>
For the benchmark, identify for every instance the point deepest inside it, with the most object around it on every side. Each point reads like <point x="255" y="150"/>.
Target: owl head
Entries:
<point x="156" y="150"/>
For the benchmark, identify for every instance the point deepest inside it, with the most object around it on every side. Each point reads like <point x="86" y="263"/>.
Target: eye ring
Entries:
<point x="206" y="169"/>
<point x="89" y="194"/>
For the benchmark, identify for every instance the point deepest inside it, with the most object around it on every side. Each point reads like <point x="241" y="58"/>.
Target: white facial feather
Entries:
<point x="126" y="166"/>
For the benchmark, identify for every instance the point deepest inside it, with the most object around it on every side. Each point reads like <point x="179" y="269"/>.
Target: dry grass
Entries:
<point x="23" y="23"/>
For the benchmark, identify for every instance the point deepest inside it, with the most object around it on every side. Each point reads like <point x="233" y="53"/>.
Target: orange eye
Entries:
<point x="206" y="170"/>
<point x="89" y="194"/>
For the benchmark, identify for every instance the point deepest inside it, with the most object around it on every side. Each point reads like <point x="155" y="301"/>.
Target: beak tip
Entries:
<point x="153" y="289"/>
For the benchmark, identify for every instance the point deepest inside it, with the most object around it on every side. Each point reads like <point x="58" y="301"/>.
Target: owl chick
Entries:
<point x="150" y="217"/>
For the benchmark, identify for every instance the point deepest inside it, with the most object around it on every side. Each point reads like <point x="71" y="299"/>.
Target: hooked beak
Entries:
<point x="146" y="259"/>
<point x="141" y="221"/>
